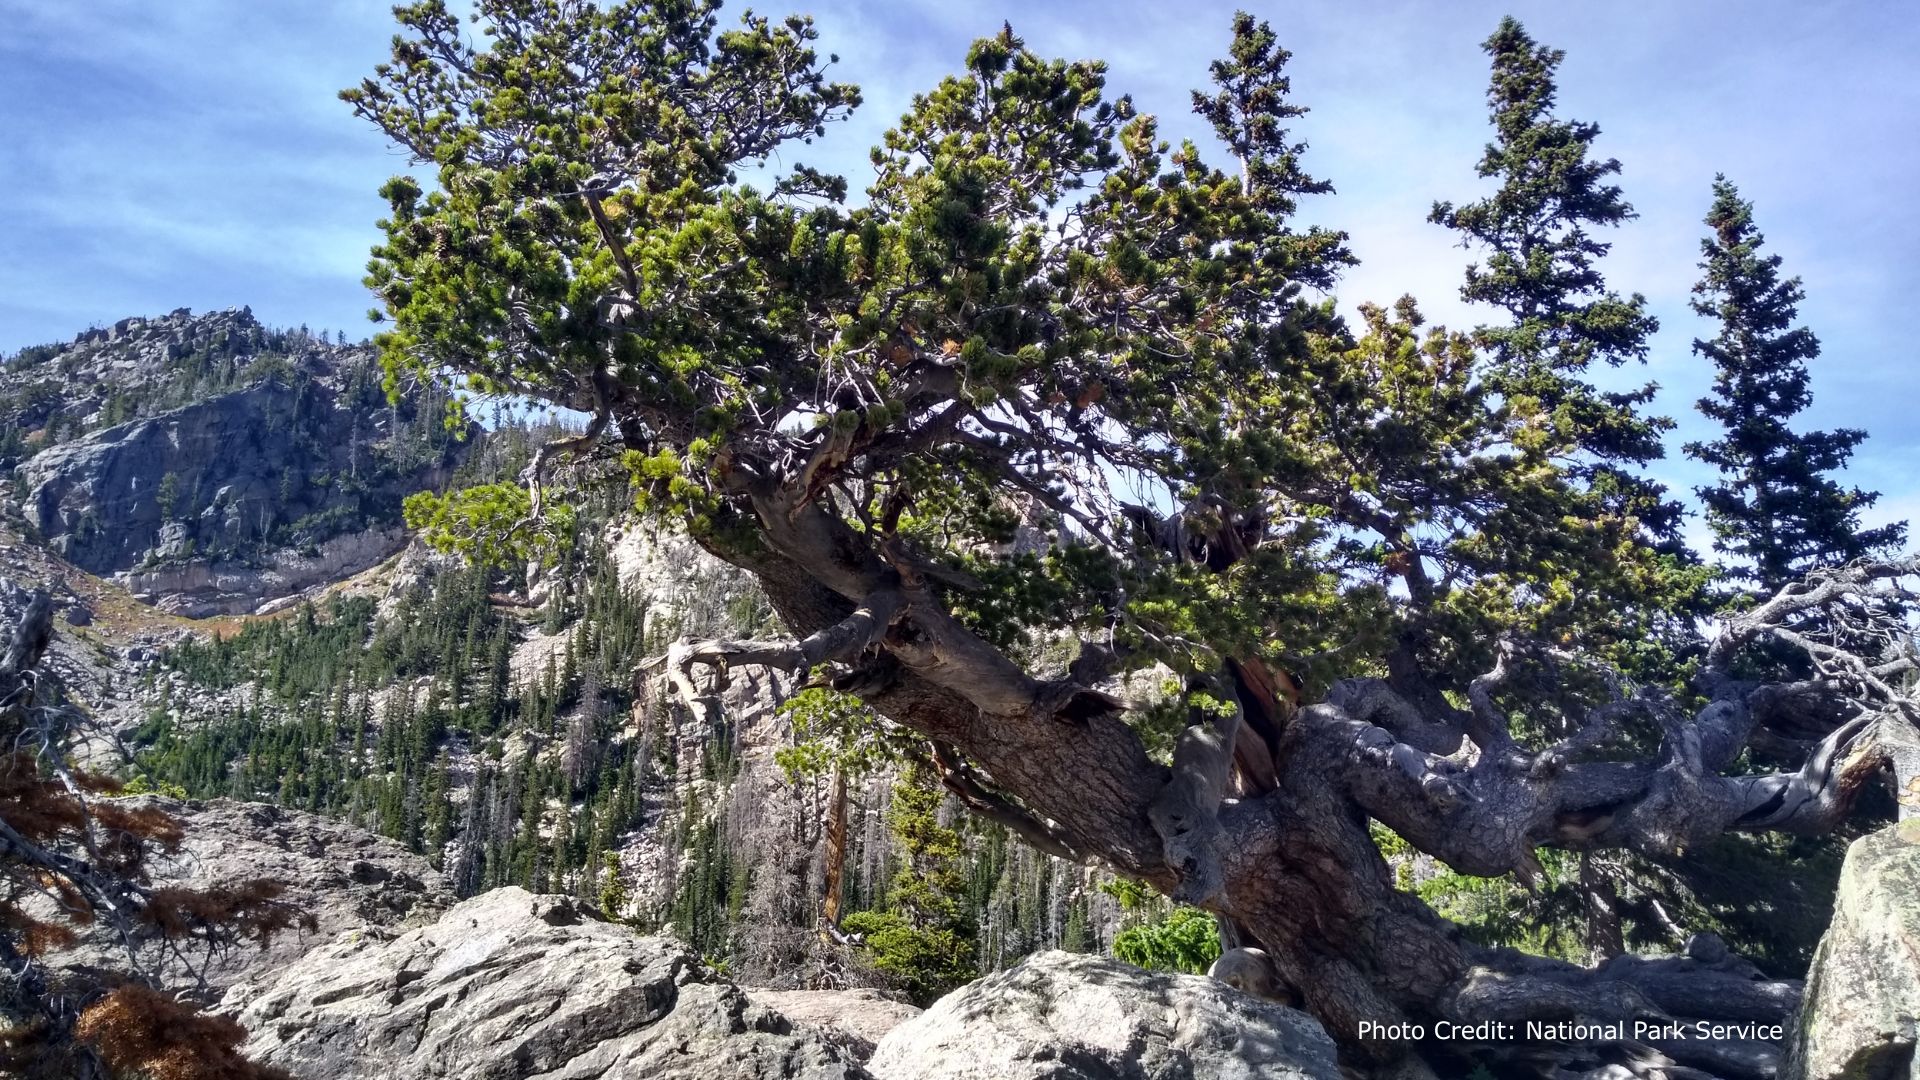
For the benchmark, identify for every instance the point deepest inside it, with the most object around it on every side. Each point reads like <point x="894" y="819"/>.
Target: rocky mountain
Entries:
<point x="212" y="465"/>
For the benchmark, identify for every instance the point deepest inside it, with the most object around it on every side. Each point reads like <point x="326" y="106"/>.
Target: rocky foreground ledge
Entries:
<point x="401" y="983"/>
<point x="349" y="880"/>
<point x="513" y="986"/>
<point x="1861" y="1016"/>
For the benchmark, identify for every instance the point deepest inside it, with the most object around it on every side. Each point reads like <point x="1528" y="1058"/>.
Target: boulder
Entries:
<point x="513" y="986"/>
<point x="1064" y="1016"/>
<point x="1251" y="971"/>
<point x="1860" y="1019"/>
<point x="856" y="1019"/>
<point x="348" y="879"/>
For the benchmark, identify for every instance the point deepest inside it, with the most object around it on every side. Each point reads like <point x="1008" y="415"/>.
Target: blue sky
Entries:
<point x="192" y="153"/>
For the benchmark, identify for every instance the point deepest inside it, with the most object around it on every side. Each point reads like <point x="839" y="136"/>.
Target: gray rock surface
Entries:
<point x="856" y="1019"/>
<point x="271" y="579"/>
<point x="1250" y="971"/>
<point x="210" y="464"/>
<point x="349" y="879"/>
<point x="513" y="986"/>
<point x="1860" y="1019"/>
<point x="188" y="503"/>
<point x="1064" y="1016"/>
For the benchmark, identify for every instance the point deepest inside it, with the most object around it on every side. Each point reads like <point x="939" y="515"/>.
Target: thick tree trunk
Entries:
<point x="1307" y="879"/>
<point x="1287" y="857"/>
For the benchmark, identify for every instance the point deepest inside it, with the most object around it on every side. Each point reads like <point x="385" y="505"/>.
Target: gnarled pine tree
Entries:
<point x="1045" y="321"/>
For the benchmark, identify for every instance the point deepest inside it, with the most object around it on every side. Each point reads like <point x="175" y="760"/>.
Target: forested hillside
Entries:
<point x="510" y="743"/>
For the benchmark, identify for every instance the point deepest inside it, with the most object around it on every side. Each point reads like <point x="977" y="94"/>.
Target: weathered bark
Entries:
<point x="1186" y="813"/>
<point x="836" y="847"/>
<point x="1604" y="937"/>
<point x="25" y="645"/>
<point x="1038" y="733"/>
<point x="1279" y="847"/>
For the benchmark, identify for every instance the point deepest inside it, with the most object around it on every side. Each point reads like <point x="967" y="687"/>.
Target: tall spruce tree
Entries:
<point x="1541" y="267"/>
<point x="1775" y="507"/>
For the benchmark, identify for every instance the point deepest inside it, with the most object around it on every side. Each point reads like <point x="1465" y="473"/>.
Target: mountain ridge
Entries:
<point x="212" y="465"/>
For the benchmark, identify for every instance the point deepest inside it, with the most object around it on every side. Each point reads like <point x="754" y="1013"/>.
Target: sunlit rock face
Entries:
<point x="212" y="465"/>
<point x="1861" y="1016"/>
<point x="512" y="986"/>
<point x="1065" y="1016"/>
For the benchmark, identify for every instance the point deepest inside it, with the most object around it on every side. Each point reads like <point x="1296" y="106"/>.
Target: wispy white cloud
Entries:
<point x="193" y="152"/>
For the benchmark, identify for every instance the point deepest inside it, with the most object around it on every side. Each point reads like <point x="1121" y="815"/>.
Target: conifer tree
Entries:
<point x="1775" y="507"/>
<point x="470" y="866"/>
<point x="1038" y="296"/>
<point x="1541" y="268"/>
<point x="362" y="719"/>
<point x="1249" y="110"/>
<point x="923" y="936"/>
<point x="561" y="858"/>
<point x="489" y="714"/>
<point x="439" y="809"/>
<point x="614" y="897"/>
<point x="531" y="865"/>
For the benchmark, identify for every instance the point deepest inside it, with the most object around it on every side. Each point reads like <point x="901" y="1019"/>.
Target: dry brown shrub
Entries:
<point x="140" y="1031"/>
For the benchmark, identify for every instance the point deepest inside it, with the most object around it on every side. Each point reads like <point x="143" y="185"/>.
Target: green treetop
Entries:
<point x="1775" y="507"/>
<point x="1537" y="231"/>
<point x="1059" y="381"/>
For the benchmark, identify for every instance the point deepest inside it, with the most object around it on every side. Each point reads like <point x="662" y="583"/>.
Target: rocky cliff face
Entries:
<point x="210" y="464"/>
<point x="1861" y="1016"/>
